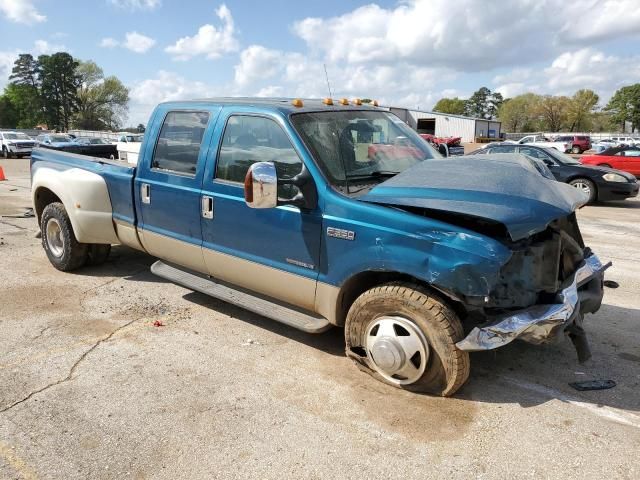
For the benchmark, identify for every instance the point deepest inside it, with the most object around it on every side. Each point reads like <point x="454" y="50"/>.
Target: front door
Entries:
<point x="168" y="186"/>
<point x="270" y="251"/>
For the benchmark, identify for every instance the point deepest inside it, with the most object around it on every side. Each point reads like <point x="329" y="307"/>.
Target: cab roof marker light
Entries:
<point x="374" y="103"/>
<point x="328" y="101"/>
<point x="344" y="101"/>
<point x="297" y="103"/>
<point x="357" y="101"/>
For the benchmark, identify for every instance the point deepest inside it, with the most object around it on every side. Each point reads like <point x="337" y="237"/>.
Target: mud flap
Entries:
<point x="578" y="337"/>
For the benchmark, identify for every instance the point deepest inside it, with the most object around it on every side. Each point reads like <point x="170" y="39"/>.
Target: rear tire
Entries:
<point x="586" y="186"/>
<point x="58" y="240"/>
<point x="576" y="150"/>
<point x="385" y="319"/>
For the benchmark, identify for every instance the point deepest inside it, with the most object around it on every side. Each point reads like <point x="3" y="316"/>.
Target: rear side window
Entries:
<point x="504" y="149"/>
<point x="179" y="142"/>
<point x="247" y="140"/>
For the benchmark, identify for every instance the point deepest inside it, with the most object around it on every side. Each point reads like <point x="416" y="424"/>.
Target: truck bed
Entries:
<point x="118" y="176"/>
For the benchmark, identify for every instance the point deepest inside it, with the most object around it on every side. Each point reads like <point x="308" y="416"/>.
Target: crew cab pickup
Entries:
<point x="316" y="214"/>
<point x="542" y="141"/>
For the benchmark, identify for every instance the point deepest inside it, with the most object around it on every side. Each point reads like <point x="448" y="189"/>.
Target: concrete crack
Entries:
<point x="72" y="370"/>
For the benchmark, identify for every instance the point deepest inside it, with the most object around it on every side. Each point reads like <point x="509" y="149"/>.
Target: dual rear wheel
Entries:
<point x="60" y="243"/>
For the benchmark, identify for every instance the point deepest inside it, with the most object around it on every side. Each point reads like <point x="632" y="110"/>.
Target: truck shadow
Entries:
<point x="519" y="373"/>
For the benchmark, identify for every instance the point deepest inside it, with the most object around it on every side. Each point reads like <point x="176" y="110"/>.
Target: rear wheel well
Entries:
<point x="42" y="198"/>
<point x="361" y="282"/>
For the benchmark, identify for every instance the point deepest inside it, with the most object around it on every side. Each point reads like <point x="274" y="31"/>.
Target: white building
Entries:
<point x="446" y="125"/>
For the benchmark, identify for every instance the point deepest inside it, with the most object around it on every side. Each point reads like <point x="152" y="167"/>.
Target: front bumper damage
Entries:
<point x="540" y="324"/>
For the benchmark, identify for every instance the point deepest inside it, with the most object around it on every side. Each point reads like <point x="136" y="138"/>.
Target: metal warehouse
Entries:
<point x="446" y="125"/>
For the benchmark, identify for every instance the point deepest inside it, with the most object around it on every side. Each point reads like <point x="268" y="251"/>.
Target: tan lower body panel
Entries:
<point x="272" y="282"/>
<point x="287" y="287"/>
<point x="128" y="235"/>
<point x="173" y="250"/>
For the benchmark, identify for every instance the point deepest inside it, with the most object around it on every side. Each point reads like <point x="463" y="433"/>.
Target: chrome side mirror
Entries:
<point x="261" y="185"/>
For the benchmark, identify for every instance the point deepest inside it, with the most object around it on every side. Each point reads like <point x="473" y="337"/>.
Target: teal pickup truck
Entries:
<point x="319" y="213"/>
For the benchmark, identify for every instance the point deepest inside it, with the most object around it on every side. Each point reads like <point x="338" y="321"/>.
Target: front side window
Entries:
<point x="355" y="147"/>
<point x="250" y="139"/>
<point x="178" y="145"/>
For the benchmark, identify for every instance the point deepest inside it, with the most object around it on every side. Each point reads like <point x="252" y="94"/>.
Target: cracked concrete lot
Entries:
<point x="110" y="372"/>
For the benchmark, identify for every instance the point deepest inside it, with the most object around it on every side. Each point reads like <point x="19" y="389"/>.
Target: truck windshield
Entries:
<point x="355" y="148"/>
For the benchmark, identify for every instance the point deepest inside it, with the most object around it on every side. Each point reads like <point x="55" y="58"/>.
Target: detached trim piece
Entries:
<point x="539" y="323"/>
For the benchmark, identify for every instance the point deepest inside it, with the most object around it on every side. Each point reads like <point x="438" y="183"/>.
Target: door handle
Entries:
<point x="145" y="193"/>
<point x="207" y="206"/>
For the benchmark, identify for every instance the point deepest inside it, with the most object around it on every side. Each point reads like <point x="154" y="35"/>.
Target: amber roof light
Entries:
<point x="297" y="103"/>
<point x="328" y="101"/>
<point x="357" y="101"/>
<point x="344" y="101"/>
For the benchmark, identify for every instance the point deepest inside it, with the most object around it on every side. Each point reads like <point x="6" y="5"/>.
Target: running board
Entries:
<point x="275" y="311"/>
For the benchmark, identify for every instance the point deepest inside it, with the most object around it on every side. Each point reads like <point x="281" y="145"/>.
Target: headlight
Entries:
<point x="614" y="177"/>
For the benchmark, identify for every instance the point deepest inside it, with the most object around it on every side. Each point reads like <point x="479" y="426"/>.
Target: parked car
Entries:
<point x="128" y="146"/>
<point x="16" y="144"/>
<point x="448" y="147"/>
<point x="576" y="143"/>
<point x="625" y="140"/>
<point x="96" y="147"/>
<point x="625" y="158"/>
<point x="542" y="141"/>
<point x="603" y="144"/>
<point x="317" y="215"/>
<point x="55" y="140"/>
<point x="599" y="183"/>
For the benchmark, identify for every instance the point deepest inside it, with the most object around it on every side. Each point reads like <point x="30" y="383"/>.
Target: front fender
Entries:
<point x="85" y="197"/>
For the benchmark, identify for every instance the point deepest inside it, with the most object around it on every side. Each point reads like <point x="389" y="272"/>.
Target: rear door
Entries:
<point x="169" y="181"/>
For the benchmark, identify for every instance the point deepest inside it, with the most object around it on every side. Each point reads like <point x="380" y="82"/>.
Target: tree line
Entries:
<point x="530" y="112"/>
<point x="62" y="92"/>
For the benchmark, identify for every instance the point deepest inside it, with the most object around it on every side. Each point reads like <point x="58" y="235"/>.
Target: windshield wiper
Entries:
<point x="374" y="174"/>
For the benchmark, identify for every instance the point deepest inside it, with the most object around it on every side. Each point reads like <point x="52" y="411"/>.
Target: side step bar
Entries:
<point x="275" y="311"/>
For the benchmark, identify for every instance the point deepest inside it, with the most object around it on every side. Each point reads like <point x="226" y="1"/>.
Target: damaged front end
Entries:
<point x="547" y="286"/>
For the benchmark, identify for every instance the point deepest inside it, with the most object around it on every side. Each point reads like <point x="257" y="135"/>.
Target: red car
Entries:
<point x="625" y="158"/>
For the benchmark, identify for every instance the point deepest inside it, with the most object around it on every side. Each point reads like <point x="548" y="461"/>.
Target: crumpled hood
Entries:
<point x="511" y="193"/>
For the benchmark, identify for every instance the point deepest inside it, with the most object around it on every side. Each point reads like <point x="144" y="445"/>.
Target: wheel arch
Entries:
<point x="360" y="282"/>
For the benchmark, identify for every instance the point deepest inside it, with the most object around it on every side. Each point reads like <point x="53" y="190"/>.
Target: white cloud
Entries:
<point x="166" y="86"/>
<point x="134" y="5"/>
<point x="109" y="42"/>
<point x="21" y="11"/>
<point x="466" y="35"/>
<point x="257" y="62"/>
<point x="136" y="42"/>
<point x="7" y="59"/>
<point x="571" y="71"/>
<point x="209" y="41"/>
<point x="42" y="47"/>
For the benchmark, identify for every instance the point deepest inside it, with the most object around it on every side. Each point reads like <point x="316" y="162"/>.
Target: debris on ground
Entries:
<point x="28" y="213"/>
<point x="250" y="342"/>
<point x="158" y="323"/>
<point x="611" y="284"/>
<point x="593" y="385"/>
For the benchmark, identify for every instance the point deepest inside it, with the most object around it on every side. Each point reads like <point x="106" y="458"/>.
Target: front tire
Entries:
<point x="58" y="240"/>
<point x="587" y="186"/>
<point x="405" y="336"/>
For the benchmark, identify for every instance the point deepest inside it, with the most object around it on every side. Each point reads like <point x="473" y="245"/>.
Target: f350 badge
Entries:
<point x="340" y="233"/>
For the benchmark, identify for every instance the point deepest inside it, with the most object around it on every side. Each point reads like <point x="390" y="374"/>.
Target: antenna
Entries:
<point x="326" y="75"/>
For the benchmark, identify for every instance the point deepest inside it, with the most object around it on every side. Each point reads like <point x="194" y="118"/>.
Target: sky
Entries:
<point x="404" y="53"/>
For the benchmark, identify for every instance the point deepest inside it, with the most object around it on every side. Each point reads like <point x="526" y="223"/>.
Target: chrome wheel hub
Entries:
<point x="582" y="186"/>
<point x="397" y="349"/>
<point x="55" y="240"/>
